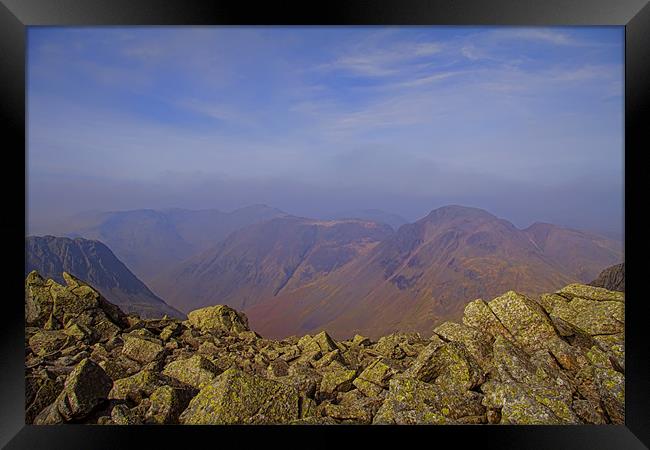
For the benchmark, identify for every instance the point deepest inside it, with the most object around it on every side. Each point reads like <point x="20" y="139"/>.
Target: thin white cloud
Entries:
<point x="379" y="60"/>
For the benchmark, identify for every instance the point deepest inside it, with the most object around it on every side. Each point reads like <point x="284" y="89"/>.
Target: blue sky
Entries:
<point x="524" y="122"/>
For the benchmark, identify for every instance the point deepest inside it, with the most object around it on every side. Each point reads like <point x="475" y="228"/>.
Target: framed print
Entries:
<point x="386" y="218"/>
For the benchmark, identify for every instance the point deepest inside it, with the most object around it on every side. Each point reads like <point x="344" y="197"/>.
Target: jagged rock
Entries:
<point x="239" y="398"/>
<point x="289" y="354"/>
<point x="410" y="401"/>
<point x="85" y="388"/>
<point x="525" y="392"/>
<point x="525" y="321"/>
<point x="609" y="385"/>
<point x="447" y="364"/>
<point x="167" y="404"/>
<point x="326" y="360"/>
<point x="360" y="341"/>
<point x="218" y="318"/>
<point x="308" y="407"/>
<point x="514" y="360"/>
<point x="353" y="408"/>
<point x="278" y="368"/>
<point x="325" y="342"/>
<point x="196" y="371"/>
<point x="478" y="315"/>
<point x="141" y="348"/>
<point x="48" y="341"/>
<point x="336" y="378"/>
<point x="374" y="378"/>
<point x="614" y="346"/>
<point x="307" y="344"/>
<point x="612" y="278"/>
<point x="38" y="301"/>
<point x="589" y="411"/>
<point x="397" y="345"/>
<point x="136" y="387"/>
<point x="591" y="293"/>
<point x="169" y="331"/>
<point x="516" y="405"/>
<point x="122" y="415"/>
<point x="478" y="344"/>
<point x="592" y="316"/>
<point x="41" y="390"/>
<point x="302" y="378"/>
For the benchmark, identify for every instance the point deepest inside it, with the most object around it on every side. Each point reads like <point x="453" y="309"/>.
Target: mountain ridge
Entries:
<point x="94" y="263"/>
<point x="424" y="271"/>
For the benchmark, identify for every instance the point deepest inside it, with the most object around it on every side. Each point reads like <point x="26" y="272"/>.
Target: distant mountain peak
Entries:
<point x="458" y="211"/>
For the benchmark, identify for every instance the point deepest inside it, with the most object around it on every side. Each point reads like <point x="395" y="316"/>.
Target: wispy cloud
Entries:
<point x="381" y="59"/>
<point x="408" y="112"/>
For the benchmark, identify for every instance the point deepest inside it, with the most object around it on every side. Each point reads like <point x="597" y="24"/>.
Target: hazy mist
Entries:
<point x="524" y="122"/>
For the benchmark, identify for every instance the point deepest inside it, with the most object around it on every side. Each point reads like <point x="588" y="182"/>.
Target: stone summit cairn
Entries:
<point x="512" y="360"/>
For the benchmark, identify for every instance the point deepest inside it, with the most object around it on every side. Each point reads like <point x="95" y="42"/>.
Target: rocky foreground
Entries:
<point x="513" y="360"/>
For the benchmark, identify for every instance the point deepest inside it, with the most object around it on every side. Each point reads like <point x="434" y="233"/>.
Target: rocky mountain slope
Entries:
<point x="94" y="263"/>
<point x="426" y="272"/>
<point x="263" y="260"/>
<point x="374" y="215"/>
<point x="612" y="278"/>
<point x="512" y="360"/>
<point x="151" y="241"/>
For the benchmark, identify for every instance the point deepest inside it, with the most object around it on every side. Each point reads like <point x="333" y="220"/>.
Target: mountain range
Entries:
<point x="296" y="275"/>
<point x="151" y="241"/>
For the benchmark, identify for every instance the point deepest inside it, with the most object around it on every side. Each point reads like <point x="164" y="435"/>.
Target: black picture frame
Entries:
<point x="17" y="15"/>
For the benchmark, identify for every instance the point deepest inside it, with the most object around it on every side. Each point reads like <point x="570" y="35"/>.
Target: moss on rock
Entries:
<point x="239" y="398"/>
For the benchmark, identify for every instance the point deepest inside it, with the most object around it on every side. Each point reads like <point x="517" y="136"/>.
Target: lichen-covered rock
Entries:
<point x="136" y="387"/>
<point x="314" y="421"/>
<point x="424" y="367"/>
<point x="123" y="415"/>
<point x="410" y="401"/>
<point x="526" y="392"/>
<point x="588" y="411"/>
<point x="336" y="378"/>
<point x="85" y="388"/>
<point x="525" y="320"/>
<point x="446" y="364"/>
<point x="614" y="346"/>
<point x="38" y="301"/>
<point x="41" y="390"/>
<point x="590" y="316"/>
<point x="360" y="341"/>
<point x="517" y="405"/>
<point x="326" y="360"/>
<point x="398" y="345"/>
<point x="196" y="371"/>
<point x="374" y="378"/>
<point x="239" y="398"/>
<point x="608" y="385"/>
<point x="167" y="404"/>
<point x="352" y="413"/>
<point x="325" y="342"/>
<point x="556" y="360"/>
<point x="142" y="349"/>
<point x="303" y="378"/>
<point x="218" y="318"/>
<point x="48" y="341"/>
<point x="591" y="293"/>
<point x="478" y="344"/>
<point x="478" y="315"/>
<point x="169" y="331"/>
<point x="278" y="368"/>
